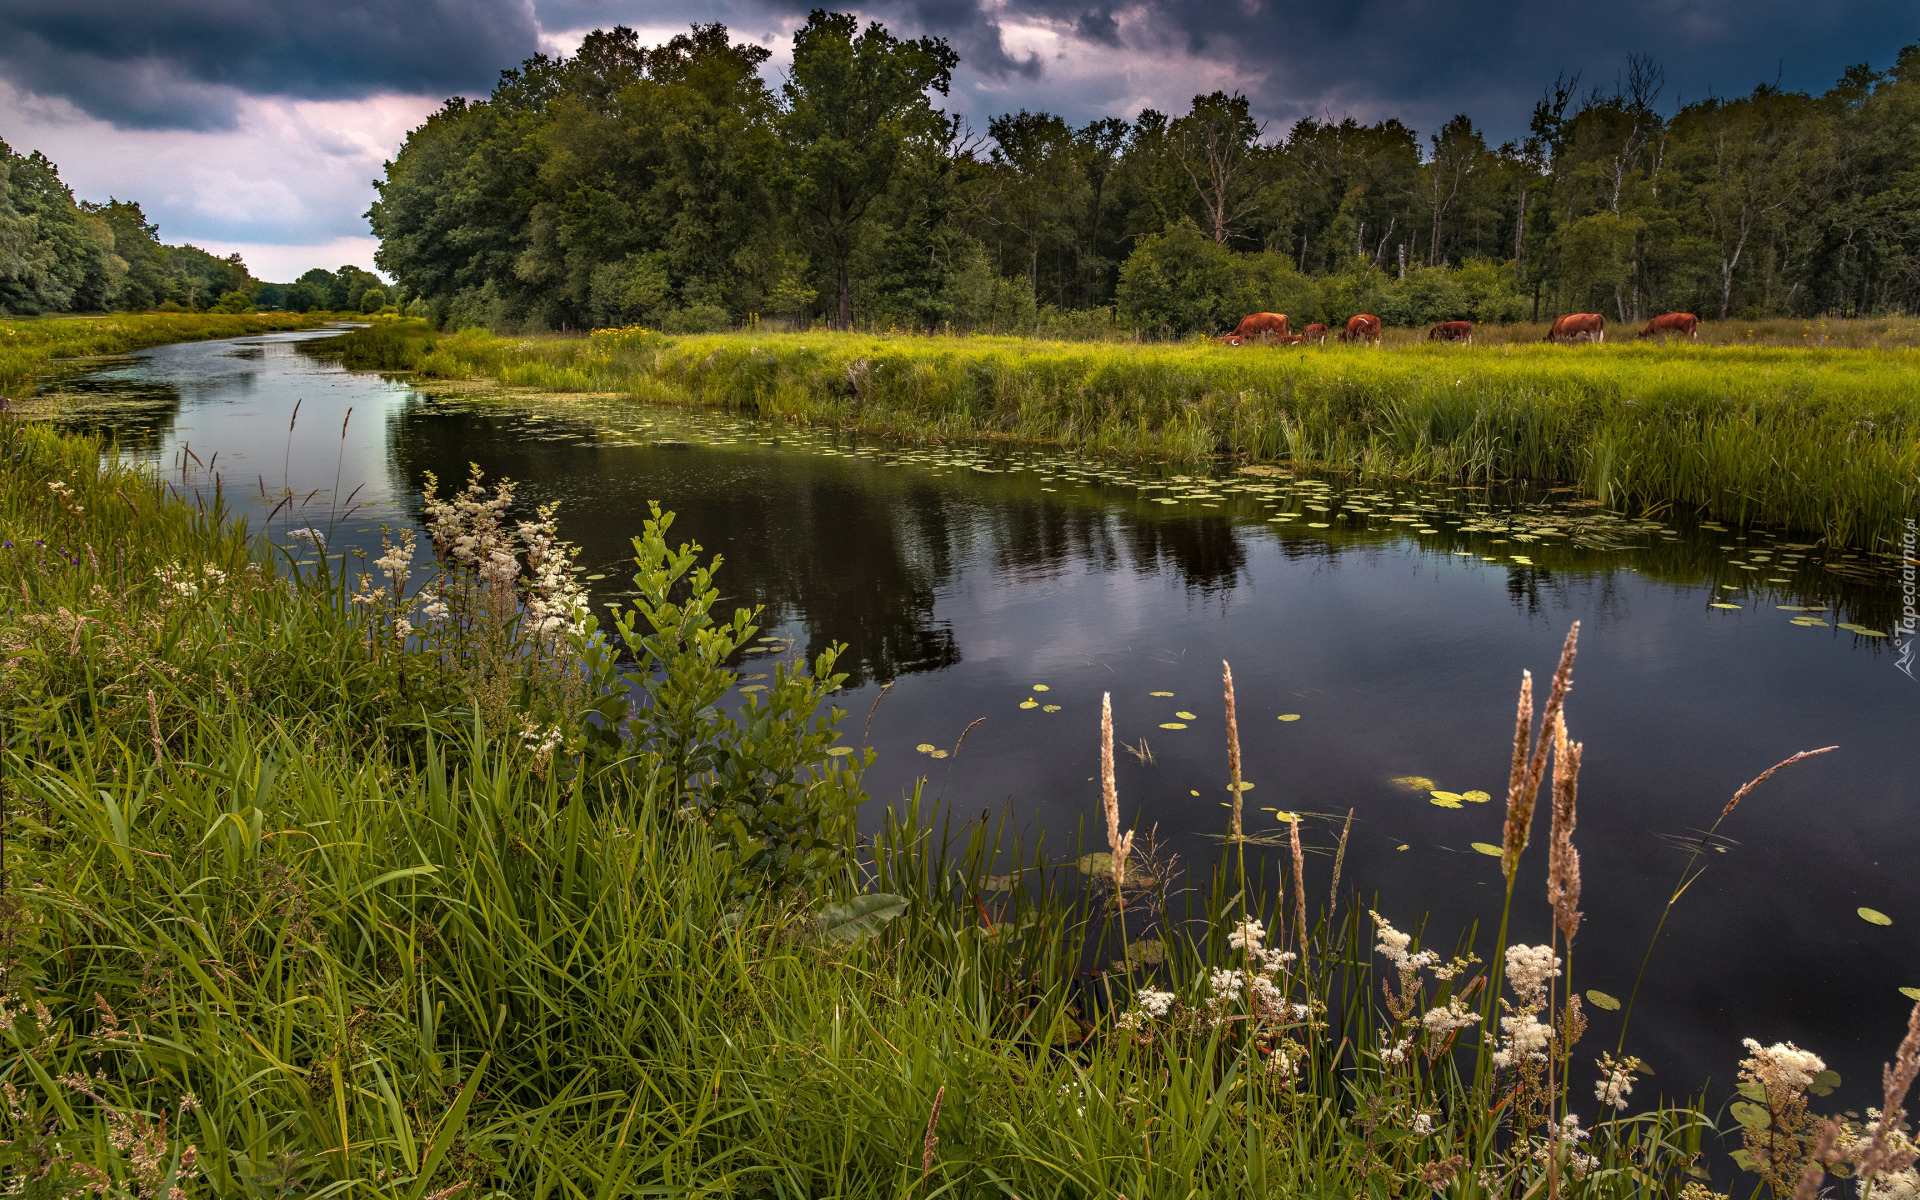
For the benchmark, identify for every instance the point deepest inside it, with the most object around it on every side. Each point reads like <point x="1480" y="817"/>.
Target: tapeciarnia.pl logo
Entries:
<point x="1903" y="629"/>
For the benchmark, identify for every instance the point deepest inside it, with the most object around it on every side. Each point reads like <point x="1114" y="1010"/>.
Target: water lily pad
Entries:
<point x="1159" y="693"/>
<point x="1413" y="783"/>
<point x="1720" y="605"/>
<point x="1475" y="797"/>
<point x="926" y="747"/>
<point x="1289" y="716"/>
<point x="837" y="751"/>
<point x="596" y="577"/>
<point x="1173" y="724"/>
<point x="1403" y="847"/>
<point x="1050" y="708"/>
<point x="1245" y="786"/>
<point x="936" y="754"/>
<point x="1186" y="716"/>
<point x="1095" y="864"/>
<point x="1316" y="524"/>
<point x="1440" y="795"/>
<point x="753" y="687"/>
<point x="1441" y="803"/>
<point x="1286" y="818"/>
<point x="1912" y="993"/>
<point x="1029" y="702"/>
<point x="1600" y="999"/>
<point x="1487" y="848"/>
<point x="1874" y="916"/>
<point x="1041" y="687"/>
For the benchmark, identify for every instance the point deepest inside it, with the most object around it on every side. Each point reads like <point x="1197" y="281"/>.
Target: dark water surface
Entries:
<point x="1393" y="621"/>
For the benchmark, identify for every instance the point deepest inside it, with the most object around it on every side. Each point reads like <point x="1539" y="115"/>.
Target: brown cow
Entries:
<point x="1452" y="331"/>
<point x="1315" y="332"/>
<point x="1578" y="327"/>
<point x="1685" y="324"/>
<point x="1227" y="339"/>
<point x="1362" y="327"/>
<point x="1261" y="325"/>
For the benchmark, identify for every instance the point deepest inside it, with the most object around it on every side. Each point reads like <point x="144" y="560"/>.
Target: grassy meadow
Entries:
<point x="386" y="880"/>
<point x="30" y="345"/>
<point x="1824" y="441"/>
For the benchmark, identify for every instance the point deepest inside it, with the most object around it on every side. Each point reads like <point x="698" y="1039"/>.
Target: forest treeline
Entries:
<point x="61" y="255"/>
<point x="674" y="186"/>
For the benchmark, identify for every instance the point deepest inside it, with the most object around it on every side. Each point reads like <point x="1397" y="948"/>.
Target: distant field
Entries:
<point x="1850" y="333"/>
<point x="28" y="345"/>
<point x="1822" y="440"/>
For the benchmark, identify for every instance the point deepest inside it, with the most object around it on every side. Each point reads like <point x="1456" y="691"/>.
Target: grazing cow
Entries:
<point x="1362" y="327"/>
<point x="1261" y="325"/>
<point x="1685" y="324"/>
<point x="1228" y="339"/>
<point x="1578" y="327"/>
<point x="1315" y="332"/>
<point x="1451" y="331"/>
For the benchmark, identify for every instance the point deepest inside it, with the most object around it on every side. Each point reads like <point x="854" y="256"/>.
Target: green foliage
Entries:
<point x="233" y="302"/>
<point x="1180" y="282"/>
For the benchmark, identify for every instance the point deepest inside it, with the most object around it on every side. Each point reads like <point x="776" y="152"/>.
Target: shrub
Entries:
<point x="1180" y="282"/>
<point x="697" y="318"/>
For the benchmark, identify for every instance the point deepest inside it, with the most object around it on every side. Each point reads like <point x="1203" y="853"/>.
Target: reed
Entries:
<point x="1820" y="440"/>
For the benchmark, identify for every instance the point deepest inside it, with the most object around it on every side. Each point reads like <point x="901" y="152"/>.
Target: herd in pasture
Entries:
<point x="1271" y="328"/>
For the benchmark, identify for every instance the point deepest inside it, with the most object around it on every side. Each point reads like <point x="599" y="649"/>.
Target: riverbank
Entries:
<point x="1825" y="442"/>
<point x="31" y="345"/>
<point x="335" y="901"/>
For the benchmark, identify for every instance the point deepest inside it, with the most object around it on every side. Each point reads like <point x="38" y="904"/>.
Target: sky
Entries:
<point x="257" y="126"/>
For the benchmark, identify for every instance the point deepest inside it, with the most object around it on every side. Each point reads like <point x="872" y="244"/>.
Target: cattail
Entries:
<point x="1823" y="1154"/>
<point x="1764" y="776"/>
<point x="931" y="1141"/>
<point x="1339" y="860"/>
<point x="1299" y="884"/>
<point x="1519" y="804"/>
<point x="1563" y="861"/>
<point x="1233" y="748"/>
<point x="1896" y="1080"/>
<point x="153" y="716"/>
<point x="1523" y="783"/>
<point x="1118" y="845"/>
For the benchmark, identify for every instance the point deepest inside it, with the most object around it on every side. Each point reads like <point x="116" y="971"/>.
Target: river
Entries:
<point x="1376" y="632"/>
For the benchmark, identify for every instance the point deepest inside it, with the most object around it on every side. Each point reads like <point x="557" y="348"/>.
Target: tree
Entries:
<point x="1037" y="154"/>
<point x="1217" y="145"/>
<point x="1179" y="282"/>
<point x="856" y="108"/>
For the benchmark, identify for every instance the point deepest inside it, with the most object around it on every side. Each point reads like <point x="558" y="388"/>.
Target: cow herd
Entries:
<point x="1271" y="328"/>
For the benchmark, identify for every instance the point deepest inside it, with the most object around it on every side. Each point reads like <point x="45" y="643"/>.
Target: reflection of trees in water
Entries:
<point x="809" y="541"/>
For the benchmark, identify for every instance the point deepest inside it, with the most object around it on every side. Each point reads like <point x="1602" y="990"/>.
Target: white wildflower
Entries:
<point x="1396" y="945"/>
<point x="1527" y="1040"/>
<point x="1154" y="1003"/>
<point x="1422" y="1124"/>
<point x="308" y="534"/>
<point x="1614" y="1088"/>
<point x="1441" y="1022"/>
<point x="1529" y="969"/>
<point x="1249" y="935"/>
<point x="1782" y="1069"/>
<point x="402" y="628"/>
<point x="1272" y="961"/>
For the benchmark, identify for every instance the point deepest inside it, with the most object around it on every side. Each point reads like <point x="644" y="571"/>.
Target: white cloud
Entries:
<point x="284" y="262"/>
<point x="293" y="177"/>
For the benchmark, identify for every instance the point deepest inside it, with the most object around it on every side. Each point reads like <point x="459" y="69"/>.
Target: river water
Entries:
<point x="1376" y="632"/>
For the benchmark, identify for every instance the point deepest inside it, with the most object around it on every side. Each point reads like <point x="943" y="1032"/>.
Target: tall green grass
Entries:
<point x="1822" y="441"/>
<point x="286" y="913"/>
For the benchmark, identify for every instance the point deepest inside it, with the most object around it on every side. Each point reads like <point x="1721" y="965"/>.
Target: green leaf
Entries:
<point x="1752" y="1091"/>
<point x="1744" y="1161"/>
<point x="1911" y="993"/>
<point x="1874" y="916"/>
<point x="1600" y="999"/>
<point x="1488" y="848"/>
<point x="1751" y="1115"/>
<point x="1824" y="1083"/>
<point x="861" y="917"/>
<point x="449" y="1126"/>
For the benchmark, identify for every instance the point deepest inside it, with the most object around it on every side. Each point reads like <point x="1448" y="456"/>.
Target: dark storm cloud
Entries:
<point x="188" y="64"/>
<point x="1420" y="60"/>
